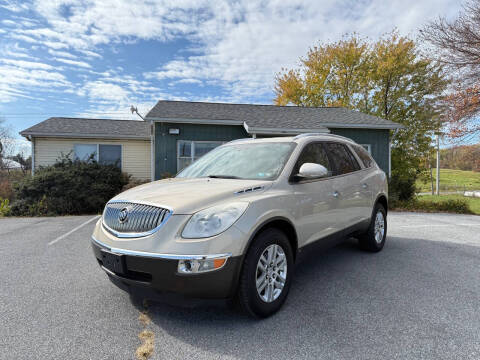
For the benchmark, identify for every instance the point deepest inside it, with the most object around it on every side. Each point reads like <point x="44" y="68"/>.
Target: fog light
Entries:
<point x="195" y="266"/>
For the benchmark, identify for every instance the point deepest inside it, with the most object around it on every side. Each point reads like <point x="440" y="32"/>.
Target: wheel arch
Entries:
<point x="281" y="223"/>
<point x="382" y="199"/>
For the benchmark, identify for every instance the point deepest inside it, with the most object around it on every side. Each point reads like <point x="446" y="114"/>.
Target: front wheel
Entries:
<point x="374" y="239"/>
<point x="266" y="274"/>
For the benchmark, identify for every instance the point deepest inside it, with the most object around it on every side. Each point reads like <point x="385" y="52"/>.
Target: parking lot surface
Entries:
<point x="417" y="299"/>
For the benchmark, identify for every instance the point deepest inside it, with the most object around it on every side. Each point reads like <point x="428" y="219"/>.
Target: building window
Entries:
<point x="367" y="147"/>
<point x="103" y="153"/>
<point x="189" y="151"/>
<point x="110" y="155"/>
<point x="85" y="152"/>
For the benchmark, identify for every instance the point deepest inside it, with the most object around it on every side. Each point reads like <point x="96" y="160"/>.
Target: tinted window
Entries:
<point x="341" y="158"/>
<point x="364" y="156"/>
<point x="313" y="153"/>
<point x="110" y="154"/>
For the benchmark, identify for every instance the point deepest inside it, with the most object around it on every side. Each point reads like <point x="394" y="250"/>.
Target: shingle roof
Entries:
<point x="266" y="116"/>
<point x="80" y="127"/>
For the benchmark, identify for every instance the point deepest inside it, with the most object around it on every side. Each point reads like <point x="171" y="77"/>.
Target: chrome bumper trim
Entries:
<point x="160" y="256"/>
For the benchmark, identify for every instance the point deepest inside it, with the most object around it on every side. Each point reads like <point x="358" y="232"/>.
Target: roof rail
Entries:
<point x="321" y="134"/>
<point x="239" y="140"/>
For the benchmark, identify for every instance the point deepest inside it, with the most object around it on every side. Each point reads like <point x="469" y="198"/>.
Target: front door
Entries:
<point x="315" y="205"/>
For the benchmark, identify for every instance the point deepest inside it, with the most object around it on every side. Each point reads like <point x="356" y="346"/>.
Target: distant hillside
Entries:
<point x="465" y="157"/>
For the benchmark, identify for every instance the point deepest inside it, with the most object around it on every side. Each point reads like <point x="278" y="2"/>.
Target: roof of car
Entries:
<point x="297" y="139"/>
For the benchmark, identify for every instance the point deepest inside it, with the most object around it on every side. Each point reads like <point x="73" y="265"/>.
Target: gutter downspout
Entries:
<point x="32" y="141"/>
<point x="389" y="157"/>
<point x="152" y="150"/>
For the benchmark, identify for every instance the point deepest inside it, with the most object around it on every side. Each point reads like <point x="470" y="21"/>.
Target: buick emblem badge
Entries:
<point x="123" y="215"/>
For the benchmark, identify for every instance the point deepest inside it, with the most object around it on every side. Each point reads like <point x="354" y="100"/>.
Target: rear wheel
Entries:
<point x="266" y="274"/>
<point x="374" y="239"/>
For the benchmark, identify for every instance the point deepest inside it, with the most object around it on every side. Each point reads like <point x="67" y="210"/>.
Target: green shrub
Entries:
<point x="4" y="207"/>
<point x="458" y="206"/>
<point x="6" y="189"/>
<point x="68" y="188"/>
<point x="401" y="188"/>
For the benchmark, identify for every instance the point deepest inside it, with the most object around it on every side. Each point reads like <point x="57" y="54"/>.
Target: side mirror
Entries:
<point x="311" y="171"/>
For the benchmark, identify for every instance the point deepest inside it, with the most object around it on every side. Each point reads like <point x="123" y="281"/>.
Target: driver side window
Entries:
<point x="313" y="153"/>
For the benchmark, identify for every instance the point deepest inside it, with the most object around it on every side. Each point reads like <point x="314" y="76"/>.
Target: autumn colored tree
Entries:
<point x="457" y="45"/>
<point x="387" y="78"/>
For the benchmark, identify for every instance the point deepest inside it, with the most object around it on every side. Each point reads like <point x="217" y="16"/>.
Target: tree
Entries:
<point x="25" y="162"/>
<point x="388" y="79"/>
<point x="6" y="145"/>
<point x="457" y="45"/>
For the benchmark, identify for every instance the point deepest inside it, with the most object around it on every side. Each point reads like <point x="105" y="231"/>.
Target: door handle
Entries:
<point x="364" y="186"/>
<point x="335" y="194"/>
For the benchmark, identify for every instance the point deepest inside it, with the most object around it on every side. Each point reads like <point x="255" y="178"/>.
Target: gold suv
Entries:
<point x="234" y="223"/>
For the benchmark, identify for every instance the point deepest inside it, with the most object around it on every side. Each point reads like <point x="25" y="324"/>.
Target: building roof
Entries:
<point x="89" y="128"/>
<point x="11" y="164"/>
<point x="266" y="118"/>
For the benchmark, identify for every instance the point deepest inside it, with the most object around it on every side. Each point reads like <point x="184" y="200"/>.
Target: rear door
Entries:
<point x="351" y="200"/>
<point x="368" y="176"/>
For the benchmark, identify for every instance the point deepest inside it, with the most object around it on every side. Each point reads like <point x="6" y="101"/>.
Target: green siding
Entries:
<point x="166" y="144"/>
<point x="378" y="140"/>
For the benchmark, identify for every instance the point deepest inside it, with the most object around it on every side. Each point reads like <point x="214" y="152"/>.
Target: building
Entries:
<point x="125" y="142"/>
<point x="176" y="133"/>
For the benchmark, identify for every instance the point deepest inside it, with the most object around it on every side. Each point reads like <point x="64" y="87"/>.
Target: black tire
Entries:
<point x="367" y="240"/>
<point x="248" y="296"/>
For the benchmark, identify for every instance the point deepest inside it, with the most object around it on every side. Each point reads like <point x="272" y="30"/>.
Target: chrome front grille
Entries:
<point x="127" y="219"/>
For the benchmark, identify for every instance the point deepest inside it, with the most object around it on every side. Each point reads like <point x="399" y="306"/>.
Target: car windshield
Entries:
<point x="260" y="161"/>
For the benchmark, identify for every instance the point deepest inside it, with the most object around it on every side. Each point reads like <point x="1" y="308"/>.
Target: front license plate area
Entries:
<point x="113" y="262"/>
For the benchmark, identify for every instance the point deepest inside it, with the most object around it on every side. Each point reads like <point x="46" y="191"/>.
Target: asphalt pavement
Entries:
<point x="417" y="299"/>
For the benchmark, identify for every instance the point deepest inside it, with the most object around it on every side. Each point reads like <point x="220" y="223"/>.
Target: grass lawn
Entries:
<point x="473" y="203"/>
<point x="452" y="180"/>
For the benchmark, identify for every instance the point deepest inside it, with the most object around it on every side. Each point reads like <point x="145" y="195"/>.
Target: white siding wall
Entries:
<point x="135" y="153"/>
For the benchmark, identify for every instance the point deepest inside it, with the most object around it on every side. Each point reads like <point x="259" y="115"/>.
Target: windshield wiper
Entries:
<point x="223" y="177"/>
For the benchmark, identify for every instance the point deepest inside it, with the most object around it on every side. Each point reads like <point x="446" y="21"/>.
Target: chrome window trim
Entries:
<point x="160" y="256"/>
<point x="140" y="234"/>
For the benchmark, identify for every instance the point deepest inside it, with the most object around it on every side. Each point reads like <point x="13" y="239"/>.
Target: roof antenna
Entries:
<point x="134" y="109"/>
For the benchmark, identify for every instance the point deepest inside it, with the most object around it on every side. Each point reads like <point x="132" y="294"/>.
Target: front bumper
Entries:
<point x="159" y="273"/>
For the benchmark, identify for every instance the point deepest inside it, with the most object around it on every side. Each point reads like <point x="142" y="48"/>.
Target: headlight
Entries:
<point x="214" y="220"/>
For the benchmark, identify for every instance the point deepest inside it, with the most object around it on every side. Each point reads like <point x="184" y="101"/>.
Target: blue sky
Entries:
<point x="95" y="58"/>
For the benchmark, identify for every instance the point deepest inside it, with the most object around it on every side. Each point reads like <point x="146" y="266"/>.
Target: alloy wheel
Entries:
<point x="271" y="273"/>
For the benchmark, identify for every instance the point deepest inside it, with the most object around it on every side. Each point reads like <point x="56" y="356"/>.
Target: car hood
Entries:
<point x="187" y="196"/>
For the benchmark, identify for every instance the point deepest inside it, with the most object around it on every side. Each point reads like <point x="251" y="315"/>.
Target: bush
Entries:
<point x="401" y="188"/>
<point x="68" y="188"/>
<point x="6" y="189"/>
<point x="458" y="206"/>
<point x="4" y="207"/>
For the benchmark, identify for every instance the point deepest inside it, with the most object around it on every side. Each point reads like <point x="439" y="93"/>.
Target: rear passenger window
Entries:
<point x="364" y="156"/>
<point x="342" y="159"/>
<point x="313" y="153"/>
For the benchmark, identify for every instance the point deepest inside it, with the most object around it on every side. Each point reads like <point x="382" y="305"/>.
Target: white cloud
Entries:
<point x="243" y="45"/>
<point x="14" y="6"/>
<point x="91" y="54"/>
<point x="27" y="64"/>
<point x="82" y="64"/>
<point x="9" y="22"/>
<point x="63" y="54"/>
<point x="236" y="46"/>
<point x="100" y="90"/>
